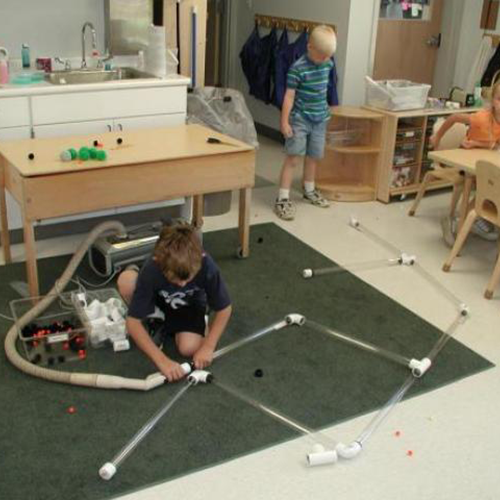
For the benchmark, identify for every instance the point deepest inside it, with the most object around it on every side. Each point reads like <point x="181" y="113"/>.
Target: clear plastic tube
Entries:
<point x="438" y="286"/>
<point x="386" y="409"/>
<point x="315" y="436"/>
<point x="446" y="336"/>
<point x="375" y="237"/>
<point x="246" y="340"/>
<point x="147" y="428"/>
<point x="357" y="266"/>
<point x="361" y="344"/>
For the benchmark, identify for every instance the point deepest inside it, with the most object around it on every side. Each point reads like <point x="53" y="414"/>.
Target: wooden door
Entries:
<point x="407" y="48"/>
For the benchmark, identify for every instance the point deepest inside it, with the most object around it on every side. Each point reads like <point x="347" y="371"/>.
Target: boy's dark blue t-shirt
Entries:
<point x="153" y="289"/>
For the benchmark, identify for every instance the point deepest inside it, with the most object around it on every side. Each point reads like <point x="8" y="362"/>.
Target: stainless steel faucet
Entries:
<point x="94" y="41"/>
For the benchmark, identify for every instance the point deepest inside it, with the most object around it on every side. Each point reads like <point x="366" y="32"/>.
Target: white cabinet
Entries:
<point x="14" y="112"/>
<point x="67" y="129"/>
<point x="13" y="210"/>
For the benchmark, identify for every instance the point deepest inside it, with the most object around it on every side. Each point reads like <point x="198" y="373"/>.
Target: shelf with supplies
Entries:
<point x="403" y="159"/>
<point x="349" y="169"/>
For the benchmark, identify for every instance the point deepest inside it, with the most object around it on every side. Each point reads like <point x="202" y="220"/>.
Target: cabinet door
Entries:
<point x="67" y="129"/>
<point x="13" y="210"/>
<point x="153" y="121"/>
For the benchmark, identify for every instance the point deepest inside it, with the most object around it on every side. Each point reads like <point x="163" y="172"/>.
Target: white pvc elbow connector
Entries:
<point x="295" y="319"/>
<point x="348" y="450"/>
<point x="464" y="310"/>
<point x="200" y="376"/>
<point x="353" y="222"/>
<point x="320" y="456"/>
<point x="107" y="471"/>
<point x="419" y="366"/>
<point x="307" y="273"/>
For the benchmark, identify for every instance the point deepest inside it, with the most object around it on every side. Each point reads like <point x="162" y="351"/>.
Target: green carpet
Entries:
<point x="47" y="453"/>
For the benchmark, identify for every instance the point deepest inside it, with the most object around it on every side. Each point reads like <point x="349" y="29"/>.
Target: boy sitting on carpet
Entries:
<point x="176" y="284"/>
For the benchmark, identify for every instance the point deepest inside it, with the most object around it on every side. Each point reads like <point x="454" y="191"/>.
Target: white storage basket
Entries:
<point x="396" y="95"/>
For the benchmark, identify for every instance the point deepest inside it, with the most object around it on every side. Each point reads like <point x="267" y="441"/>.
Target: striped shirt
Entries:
<point x="310" y="82"/>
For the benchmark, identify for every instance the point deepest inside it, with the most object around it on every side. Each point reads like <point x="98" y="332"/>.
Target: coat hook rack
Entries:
<point x="296" y="25"/>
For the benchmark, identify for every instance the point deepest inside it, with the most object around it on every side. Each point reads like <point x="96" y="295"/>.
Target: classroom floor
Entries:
<point x="451" y="432"/>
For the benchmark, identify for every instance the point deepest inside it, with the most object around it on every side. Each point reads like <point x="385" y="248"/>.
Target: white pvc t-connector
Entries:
<point x="407" y="260"/>
<point x="307" y="273"/>
<point x="200" y="376"/>
<point x="348" y="450"/>
<point x="107" y="471"/>
<point x="295" y="319"/>
<point x="419" y="367"/>
<point x="320" y="456"/>
<point x="464" y="310"/>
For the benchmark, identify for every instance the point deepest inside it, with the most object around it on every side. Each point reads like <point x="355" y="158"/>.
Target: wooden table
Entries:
<point x="142" y="166"/>
<point x="465" y="160"/>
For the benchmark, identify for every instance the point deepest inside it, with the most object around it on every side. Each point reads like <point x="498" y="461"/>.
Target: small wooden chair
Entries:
<point x="487" y="206"/>
<point x="451" y="140"/>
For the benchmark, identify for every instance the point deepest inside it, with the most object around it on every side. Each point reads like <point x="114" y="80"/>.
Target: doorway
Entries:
<point x="408" y="40"/>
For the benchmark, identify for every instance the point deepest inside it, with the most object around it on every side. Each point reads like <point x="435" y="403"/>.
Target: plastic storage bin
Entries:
<point x="347" y="137"/>
<point x="396" y="95"/>
<point x="55" y="337"/>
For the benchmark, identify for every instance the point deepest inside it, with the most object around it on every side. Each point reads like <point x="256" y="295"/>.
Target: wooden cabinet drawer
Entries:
<point x="75" y="107"/>
<point x="14" y="112"/>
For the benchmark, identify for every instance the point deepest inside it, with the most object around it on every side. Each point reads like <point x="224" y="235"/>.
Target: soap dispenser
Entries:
<point x="4" y="65"/>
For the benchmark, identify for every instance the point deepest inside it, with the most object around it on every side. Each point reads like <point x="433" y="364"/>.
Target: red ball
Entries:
<point x="71" y="410"/>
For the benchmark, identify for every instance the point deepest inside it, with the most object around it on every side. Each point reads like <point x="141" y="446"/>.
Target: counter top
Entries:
<point x="42" y="88"/>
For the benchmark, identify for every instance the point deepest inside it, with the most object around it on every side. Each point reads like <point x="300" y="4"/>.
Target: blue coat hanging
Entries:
<point x="257" y="61"/>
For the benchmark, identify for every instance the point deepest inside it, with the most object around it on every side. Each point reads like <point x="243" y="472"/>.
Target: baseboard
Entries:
<point x="269" y="132"/>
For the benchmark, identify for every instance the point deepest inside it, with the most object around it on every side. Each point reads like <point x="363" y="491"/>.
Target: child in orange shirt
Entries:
<point x="484" y="126"/>
<point x="483" y="132"/>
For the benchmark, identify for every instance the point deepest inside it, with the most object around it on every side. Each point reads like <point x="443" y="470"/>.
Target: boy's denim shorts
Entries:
<point x="308" y="138"/>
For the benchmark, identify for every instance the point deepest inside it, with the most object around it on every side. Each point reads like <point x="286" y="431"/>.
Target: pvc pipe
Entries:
<point x="289" y="422"/>
<point x="349" y="451"/>
<point x="295" y="319"/>
<point x="356" y="266"/>
<point x="419" y="367"/>
<point x="235" y="345"/>
<point x="320" y="456"/>
<point x="200" y="376"/>
<point x="108" y="470"/>
<point x="360" y="343"/>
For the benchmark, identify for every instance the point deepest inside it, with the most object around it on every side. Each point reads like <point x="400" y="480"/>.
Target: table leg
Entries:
<point x="198" y="211"/>
<point x="464" y="206"/>
<point x="31" y="263"/>
<point x="4" y="220"/>
<point x="244" y="221"/>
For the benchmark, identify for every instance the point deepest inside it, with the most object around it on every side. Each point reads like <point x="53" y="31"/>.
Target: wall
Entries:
<point x="470" y="39"/>
<point x="242" y="23"/>
<point x="50" y="27"/>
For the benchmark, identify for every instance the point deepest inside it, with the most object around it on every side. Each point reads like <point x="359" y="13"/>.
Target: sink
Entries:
<point x="82" y="76"/>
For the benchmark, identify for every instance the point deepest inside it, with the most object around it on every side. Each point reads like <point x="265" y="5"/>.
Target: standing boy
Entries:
<point x="177" y="284"/>
<point x="304" y="116"/>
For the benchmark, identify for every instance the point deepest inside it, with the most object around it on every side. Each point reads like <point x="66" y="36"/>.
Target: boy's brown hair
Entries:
<point x="178" y="251"/>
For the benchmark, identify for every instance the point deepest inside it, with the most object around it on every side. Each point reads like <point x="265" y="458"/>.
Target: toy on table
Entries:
<point x="84" y="153"/>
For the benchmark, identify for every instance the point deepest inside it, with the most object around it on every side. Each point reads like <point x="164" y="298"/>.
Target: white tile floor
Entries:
<point x="451" y="431"/>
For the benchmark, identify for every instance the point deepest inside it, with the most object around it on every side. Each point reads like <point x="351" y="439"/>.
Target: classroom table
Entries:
<point x="142" y="166"/>
<point x="465" y="160"/>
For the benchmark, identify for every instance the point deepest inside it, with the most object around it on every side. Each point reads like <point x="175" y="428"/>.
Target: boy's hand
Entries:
<point x="203" y="357"/>
<point x="286" y="130"/>
<point x="171" y="370"/>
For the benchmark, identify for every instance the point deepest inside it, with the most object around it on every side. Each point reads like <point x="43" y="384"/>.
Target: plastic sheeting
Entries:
<point x="225" y="111"/>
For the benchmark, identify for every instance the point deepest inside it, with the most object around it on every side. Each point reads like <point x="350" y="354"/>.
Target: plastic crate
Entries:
<point x="56" y="336"/>
<point x="396" y="95"/>
<point x="106" y="330"/>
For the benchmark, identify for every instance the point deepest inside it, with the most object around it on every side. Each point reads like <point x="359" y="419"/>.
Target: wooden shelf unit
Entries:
<point x="349" y="169"/>
<point x="404" y="129"/>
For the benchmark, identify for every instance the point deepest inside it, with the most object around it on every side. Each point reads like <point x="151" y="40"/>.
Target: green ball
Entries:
<point x="83" y="149"/>
<point x="101" y="155"/>
<point x="83" y="155"/>
<point x="93" y="153"/>
<point x="73" y="153"/>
